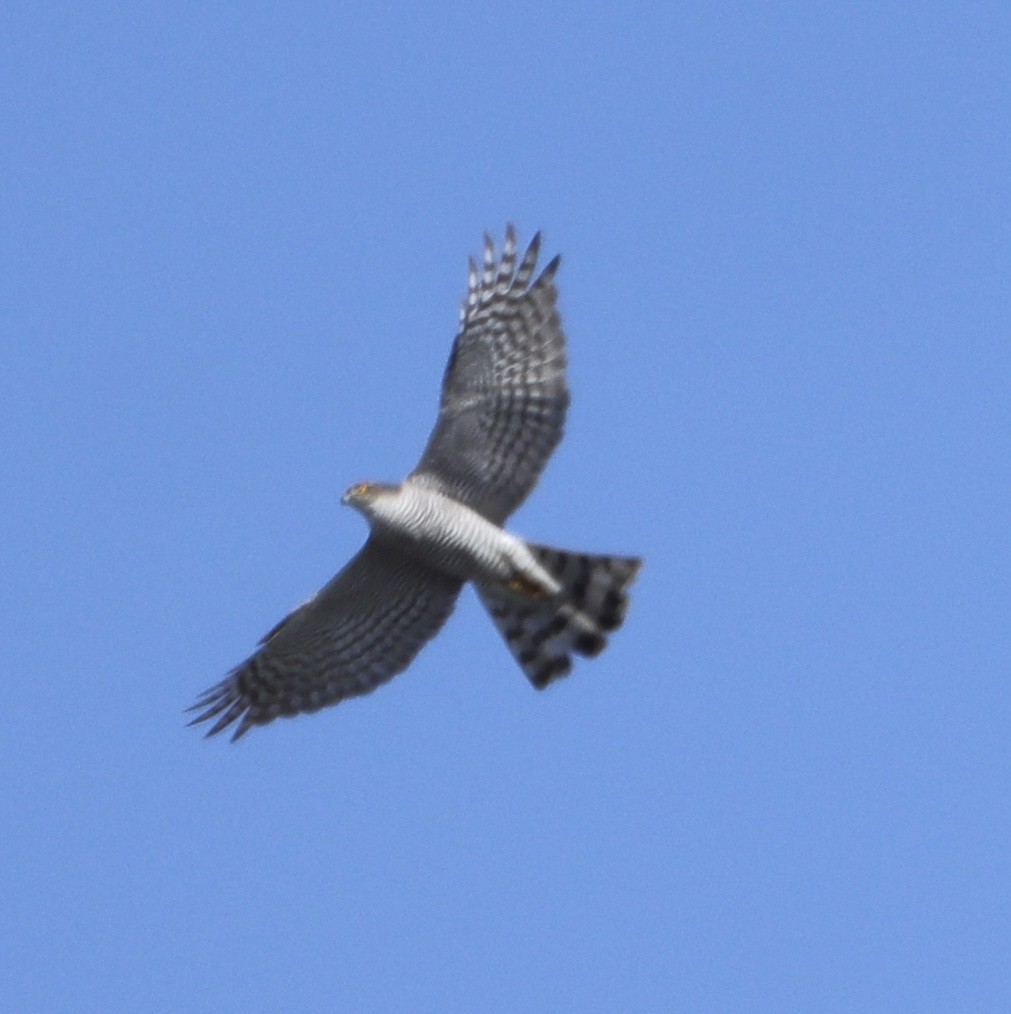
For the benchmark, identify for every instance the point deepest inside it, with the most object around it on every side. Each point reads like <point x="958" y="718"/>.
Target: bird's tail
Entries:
<point x="542" y="633"/>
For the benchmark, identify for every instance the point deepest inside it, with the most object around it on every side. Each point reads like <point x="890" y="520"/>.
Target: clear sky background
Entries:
<point x="233" y="244"/>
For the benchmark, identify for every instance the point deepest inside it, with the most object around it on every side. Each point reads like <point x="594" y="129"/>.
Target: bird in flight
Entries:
<point x="502" y="413"/>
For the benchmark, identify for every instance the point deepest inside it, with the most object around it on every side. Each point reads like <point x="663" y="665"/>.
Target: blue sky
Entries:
<point x="233" y="248"/>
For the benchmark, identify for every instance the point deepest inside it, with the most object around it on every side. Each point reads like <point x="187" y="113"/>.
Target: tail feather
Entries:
<point x="543" y="633"/>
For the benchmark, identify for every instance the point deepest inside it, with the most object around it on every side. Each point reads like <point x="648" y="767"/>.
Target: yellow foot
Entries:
<point x="524" y="586"/>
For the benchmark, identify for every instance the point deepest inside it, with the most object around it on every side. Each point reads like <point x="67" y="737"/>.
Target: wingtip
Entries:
<point x="241" y="731"/>
<point x="551" y="268"/>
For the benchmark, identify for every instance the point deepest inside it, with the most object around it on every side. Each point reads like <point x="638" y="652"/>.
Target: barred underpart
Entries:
<point x="542" y="633"/>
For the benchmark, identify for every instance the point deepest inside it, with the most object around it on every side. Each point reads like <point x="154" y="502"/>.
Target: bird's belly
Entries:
<point x="469" y="547"/>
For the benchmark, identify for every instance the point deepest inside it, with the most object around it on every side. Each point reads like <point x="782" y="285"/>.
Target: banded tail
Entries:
<point x="542" y="633"/>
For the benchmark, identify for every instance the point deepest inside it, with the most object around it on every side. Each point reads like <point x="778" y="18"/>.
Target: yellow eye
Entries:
<point x="362" y="488"/>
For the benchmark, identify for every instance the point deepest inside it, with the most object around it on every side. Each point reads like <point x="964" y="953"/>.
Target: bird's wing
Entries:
<point x="504" y="395"/>
<point x="357" y="632"/>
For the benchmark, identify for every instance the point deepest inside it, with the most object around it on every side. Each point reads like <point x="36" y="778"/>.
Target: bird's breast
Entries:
<point x="446" y="534"/>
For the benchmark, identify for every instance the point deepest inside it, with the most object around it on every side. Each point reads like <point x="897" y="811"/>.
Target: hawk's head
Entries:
<point x="363" y="494"/>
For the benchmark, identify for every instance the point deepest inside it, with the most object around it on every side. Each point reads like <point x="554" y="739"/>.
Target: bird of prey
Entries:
<point x="502" y="413"/>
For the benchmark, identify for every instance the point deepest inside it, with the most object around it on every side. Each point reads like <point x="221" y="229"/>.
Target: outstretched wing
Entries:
<point x="359" y="631"/>
<point x="504" y="395"/>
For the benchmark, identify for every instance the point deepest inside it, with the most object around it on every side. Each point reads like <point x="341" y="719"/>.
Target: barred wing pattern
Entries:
<point x="360" y="630"/>
<point x="504" y="395"/>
